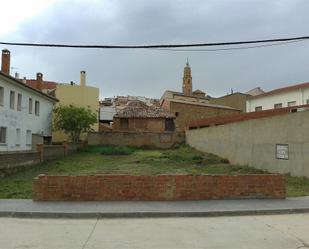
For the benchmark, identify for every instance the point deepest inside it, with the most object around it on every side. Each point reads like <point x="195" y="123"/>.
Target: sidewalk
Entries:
<point x="132" y="209"/>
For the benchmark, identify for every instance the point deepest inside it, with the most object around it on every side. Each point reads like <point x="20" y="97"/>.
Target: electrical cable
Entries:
<point x="227" y="49"/>
<point x="155" y="45"/>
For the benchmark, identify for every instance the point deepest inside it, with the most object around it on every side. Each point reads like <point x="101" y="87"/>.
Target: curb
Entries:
<point x="85" y="215"/>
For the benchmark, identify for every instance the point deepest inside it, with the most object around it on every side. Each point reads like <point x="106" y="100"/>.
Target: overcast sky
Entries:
<point x="151" y="72"/>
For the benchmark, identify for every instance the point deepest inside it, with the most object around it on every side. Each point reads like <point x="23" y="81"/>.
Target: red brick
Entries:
<point x="162" y="187"/>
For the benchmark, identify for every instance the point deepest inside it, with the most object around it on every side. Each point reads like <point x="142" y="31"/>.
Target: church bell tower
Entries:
<point x="187" y="80"/>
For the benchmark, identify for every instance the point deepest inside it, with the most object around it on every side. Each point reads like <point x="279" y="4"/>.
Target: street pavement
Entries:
<point x="108" y="209"/>
<point x="290" y="231"/>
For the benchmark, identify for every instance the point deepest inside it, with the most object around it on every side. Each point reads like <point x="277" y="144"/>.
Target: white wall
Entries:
<point x="267" y="102"/>
<point x="13" y="119"/>
<point x="107" y="112"/>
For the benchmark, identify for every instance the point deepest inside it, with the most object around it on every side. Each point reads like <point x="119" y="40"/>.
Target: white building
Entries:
<point x="24" y="111"/>
<point x="282" y="97"/>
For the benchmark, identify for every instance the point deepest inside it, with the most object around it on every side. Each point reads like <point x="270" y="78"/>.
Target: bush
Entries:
<point x="117" y="150"/>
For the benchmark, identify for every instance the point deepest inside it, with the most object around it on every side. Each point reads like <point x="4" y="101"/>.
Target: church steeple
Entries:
<point x="187" y="80"/>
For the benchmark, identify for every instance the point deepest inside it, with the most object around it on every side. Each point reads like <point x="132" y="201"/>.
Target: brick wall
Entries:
<point x="240" y="117"/>
<point x="155" y="188"/>
<point x="140" y="139"/>
<point x="235" y="100"/>
<point x="52" y="152"/>
<point x="11" y="161"/>
<point x="187" y="113"/>
<point x="141" y="124"/>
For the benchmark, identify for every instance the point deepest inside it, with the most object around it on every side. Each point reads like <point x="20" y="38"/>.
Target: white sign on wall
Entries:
<point x="282" y="151"/>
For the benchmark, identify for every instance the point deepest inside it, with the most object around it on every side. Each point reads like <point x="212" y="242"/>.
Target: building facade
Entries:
<point x="24" y="112"/>
<point x="294" y="95"/>
<point x="78" y="95"/>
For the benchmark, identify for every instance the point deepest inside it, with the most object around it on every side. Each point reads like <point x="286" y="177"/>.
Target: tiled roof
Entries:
<point x="282" y="90"/>
<point x="240" y="117"/>
<point x="46" y="84"/>
<point x="198" y="91"/>
<point x="138" y="109"/>
<point x="19" y="82"/>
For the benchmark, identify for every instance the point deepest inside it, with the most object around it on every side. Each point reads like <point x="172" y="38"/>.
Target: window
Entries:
<point x="28" y="137"/>
<point x="258" y="108"/>
<point x="277" y="106"/>
<point x="17" y="136"/>
<point x="2" y="135"/>
<point x="176" y="114"/>
<point x="124" y="123"/>
<point x="1" y="95"/>
<point x="19" y="97"/>
<point x="307" y="101"/>
<point x="30" y="105"/>
<point x="292" y="103"/>
<point x="37" y="108"/>
<point x="12" y="99"/>
<point x="169" y="124"/>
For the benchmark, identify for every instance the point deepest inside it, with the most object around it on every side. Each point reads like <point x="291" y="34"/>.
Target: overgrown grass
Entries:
<point x="117" y="150"/>
<point x="297" y="186"/>
<point x="181" y="160"/>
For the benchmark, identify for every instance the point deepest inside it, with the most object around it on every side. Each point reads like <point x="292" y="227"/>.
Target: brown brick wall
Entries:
<point x="236" y="100"/>
<point x="162" y="140"/>
<point x="156" y="188"/>
<point x="187" y="113"/>
<point x="141" y="124"/>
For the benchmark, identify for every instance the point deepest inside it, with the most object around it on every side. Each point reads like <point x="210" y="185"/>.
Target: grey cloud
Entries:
<point x="149" y="72"/>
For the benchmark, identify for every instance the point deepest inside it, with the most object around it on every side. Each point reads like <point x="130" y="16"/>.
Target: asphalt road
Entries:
<point x="243" y="232"/>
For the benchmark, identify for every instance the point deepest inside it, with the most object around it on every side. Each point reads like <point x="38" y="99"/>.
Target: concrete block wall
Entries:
<point x="53" y="151"/>
<point x="253" y="142"/>
<point x="156" y="188"/>
<point x="11" y="161"/>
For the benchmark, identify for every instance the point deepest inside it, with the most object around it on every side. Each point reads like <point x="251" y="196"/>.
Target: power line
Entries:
<point x="225" y="49"/>
<point x="155" y="45"/>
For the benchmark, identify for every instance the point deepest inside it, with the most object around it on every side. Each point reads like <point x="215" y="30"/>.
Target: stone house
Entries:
<point x="137" y="116"/>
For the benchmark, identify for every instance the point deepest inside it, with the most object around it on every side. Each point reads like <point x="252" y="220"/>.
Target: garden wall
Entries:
<point x="278" y="144"/>
<point x="140" y="139"/>
<point x="11" y="162"/>
<point x="156" y="188"/>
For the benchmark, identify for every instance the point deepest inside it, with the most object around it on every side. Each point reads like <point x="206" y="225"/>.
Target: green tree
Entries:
<point x="73" y="120"/>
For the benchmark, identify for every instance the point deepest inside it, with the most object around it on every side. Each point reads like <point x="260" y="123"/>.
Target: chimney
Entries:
<point x="16" y="75"/>
<point x="39" y="81"/>
<point x="5" y="62"/>
<point x="82" y="78"/>
<point x="24" y="80"/>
